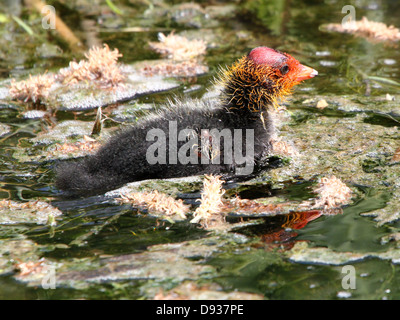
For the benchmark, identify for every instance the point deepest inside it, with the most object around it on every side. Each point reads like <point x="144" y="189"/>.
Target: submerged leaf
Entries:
<point x="113" y="7"/>
<point x="384" y="80"/>
<point x="23" y="25"/>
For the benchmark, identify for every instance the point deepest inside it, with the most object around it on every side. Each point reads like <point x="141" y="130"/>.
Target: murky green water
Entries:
<point x="106" y="251"/>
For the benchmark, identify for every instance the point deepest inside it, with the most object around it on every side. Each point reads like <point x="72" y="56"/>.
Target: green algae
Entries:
<point x="153" y="264"/>
<point x="350" y="147"/>
<point x="302" y="253"/>
<point x="38" y="212"/>
<point x="16" y="250"/>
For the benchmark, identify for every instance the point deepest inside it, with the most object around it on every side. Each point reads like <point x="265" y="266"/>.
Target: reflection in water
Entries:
<point x="280" y="228"/>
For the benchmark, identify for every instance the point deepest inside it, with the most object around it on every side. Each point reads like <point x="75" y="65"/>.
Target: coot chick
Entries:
<point x="228" y="136"/>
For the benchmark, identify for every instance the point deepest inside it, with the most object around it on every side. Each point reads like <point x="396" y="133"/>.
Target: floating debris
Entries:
<point x="40" y="212"/>
<point x="173" y="69"/>
<point x="332" y="193"/>
<point x="389" y="97"/>
<point x="35" y="89"/>
<point x="390" y="212"/>
<point x="4" y="129"/>
<point x="17" y="250"/>
<point x="40" y="270"/>
<point x="303" y="253"/>
<point x="396" y="156"/>
<point x="191" y="291"/>
<point x="101" y="67"/>
<point x="252" y="207"/>
<point x="283" y="148"/>
<point x="64" y="132"/>
<point x="78" y="97"/>
<point x="213" y="209"/>
<point x="158" y="262"/>
<point x="177" y="47"/>
<point x="25" y="268"/>
<point x="365" y="28"/>
<point x="156" y="201"/>
<point x="322" y="104"/>
<point x="395" y="237"/>
<point x="209" y="213"/>
<point x="77" y="86"/>
<point x="85" y="147"/>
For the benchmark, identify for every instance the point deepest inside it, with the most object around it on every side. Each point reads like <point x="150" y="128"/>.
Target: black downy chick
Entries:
<point x="229" y="136"/>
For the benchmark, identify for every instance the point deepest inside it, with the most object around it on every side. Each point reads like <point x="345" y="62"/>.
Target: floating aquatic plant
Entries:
<point x="192" y="291"/>
<point x="183" y="53"/>
<point x="101" y="67"/>
<point x="179" y="69"/>
<point x="25" y="268"/>
<point x="76" y="86"/>
<point x="396" y="156"/>
<point x="177" y="47"/>
<point x="377" y="31"/>
<point x="252" y="207"/>
<point x="39" y="212"/>
<point x="88" y="145"/>
<point x="35" y="89"/>
<point x="209" y="212"/>
<point x="332" y="193"/>
<point x="283" y="148"/>
<point x="156" y="201"/>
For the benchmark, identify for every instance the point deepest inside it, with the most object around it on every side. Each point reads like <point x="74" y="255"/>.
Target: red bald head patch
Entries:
<point x="267" y="56"/>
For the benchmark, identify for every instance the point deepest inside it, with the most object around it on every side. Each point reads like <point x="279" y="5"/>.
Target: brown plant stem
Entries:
<point x="61" y="28"/>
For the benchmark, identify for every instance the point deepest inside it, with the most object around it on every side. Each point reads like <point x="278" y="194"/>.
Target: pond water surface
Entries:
<point x="103" y="250"/>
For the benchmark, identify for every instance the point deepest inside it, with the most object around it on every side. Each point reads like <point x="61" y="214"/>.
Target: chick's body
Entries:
<point x="196" y="137"/>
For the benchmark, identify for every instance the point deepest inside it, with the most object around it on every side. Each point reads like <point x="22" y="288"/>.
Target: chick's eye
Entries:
<point x="284" y="69"/>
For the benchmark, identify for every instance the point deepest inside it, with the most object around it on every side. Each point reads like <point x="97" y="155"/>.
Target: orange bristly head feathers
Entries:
<point x="262" y="78"/>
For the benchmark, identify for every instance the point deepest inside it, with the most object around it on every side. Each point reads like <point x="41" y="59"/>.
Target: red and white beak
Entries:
<point x="306" y="73"/>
